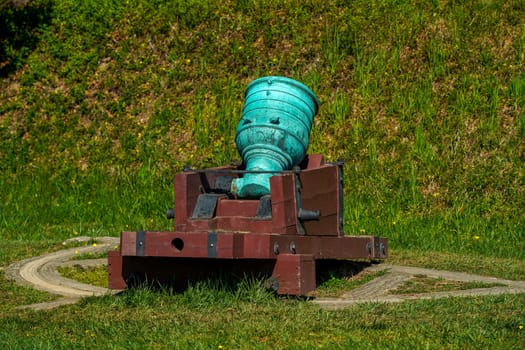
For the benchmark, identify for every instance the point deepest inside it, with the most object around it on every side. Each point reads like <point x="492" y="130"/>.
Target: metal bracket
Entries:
<point x="302" y="214"/>
<point x="212" y="244"/>
<point x="140" y="243"/>
<point x="308" y="215"/>
<point x="223" y="184"/>
<point x="377" y="247"/>
<point x="340" y="164"/>
<point x="264" y="209"/>
<point x="206" y="205"/>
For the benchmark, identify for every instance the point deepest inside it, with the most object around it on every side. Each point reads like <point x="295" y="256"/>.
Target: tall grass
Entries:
<point x="424" y="101"/>
<point x="41" y="205"/>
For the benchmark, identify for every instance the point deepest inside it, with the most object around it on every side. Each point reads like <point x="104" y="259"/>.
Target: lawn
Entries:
<point x="102" y="102"/>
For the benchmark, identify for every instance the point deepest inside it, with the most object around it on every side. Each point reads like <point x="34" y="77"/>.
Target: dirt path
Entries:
<point x="41" y="273"/>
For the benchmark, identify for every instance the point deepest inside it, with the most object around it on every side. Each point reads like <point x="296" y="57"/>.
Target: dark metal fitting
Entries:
<point x="276" y="248"/>
<point x="308" y="215"/>
<point x="293" y="248"/>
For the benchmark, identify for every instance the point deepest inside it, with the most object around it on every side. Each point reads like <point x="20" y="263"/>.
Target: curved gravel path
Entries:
<point x="378" y="290"/>
<point x="41" y="273"/>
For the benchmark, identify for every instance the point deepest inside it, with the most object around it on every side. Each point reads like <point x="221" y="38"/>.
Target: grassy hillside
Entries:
<point x="102" y="101"/>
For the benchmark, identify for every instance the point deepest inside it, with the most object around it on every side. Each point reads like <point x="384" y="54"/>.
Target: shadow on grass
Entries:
<point x="228" y="274"/>
<point x="20" y="29"/>
<point x="329" y="269"/>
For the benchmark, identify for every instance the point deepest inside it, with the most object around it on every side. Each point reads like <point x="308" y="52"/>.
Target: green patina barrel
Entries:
<point x="274" y="130"/>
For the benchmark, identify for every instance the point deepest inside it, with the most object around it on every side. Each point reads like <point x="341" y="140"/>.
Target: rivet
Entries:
<point x="293" y="248"/>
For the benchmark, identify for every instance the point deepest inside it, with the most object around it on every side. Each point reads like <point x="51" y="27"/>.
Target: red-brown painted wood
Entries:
<point x="295" y="274"/>
<point x="234" y="238"/>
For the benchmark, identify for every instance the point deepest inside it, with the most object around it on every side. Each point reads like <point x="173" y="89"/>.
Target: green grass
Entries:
<point x="97" y="276"/>
<point x="101" y="255"/>
<point x="102" y="102"/>
<point x="423" y="100"/>
<point x="507" y="268"/>
<point x="213" y="319"/>
<point x="14" y="295"/>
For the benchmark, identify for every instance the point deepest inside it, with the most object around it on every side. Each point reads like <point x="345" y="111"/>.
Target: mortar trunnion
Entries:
<point x="279" y="214"/>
